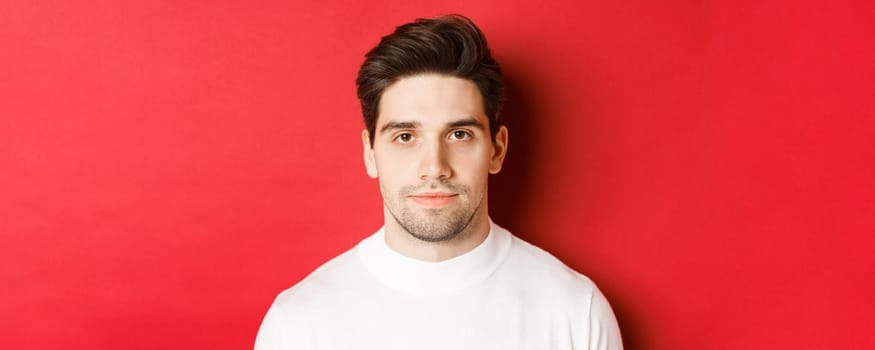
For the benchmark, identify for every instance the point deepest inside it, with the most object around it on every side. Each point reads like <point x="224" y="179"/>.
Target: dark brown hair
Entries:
<point x="451" y="45"/>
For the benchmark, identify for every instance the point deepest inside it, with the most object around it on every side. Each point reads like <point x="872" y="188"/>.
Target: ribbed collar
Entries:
<point x="425" y="278"/>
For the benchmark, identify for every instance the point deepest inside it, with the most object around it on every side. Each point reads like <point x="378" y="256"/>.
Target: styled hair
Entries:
<point x="449" y="45"/>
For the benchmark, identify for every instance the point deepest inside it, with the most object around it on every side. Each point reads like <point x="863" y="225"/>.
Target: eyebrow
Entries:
<point x="393" y="125"/>
<point x="470" y="122"/>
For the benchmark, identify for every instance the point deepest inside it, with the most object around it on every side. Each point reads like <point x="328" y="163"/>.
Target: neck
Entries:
<point x="403" y="242"/>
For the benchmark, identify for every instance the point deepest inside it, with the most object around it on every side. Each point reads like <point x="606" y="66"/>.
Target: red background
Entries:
<point x="169" y="166"/>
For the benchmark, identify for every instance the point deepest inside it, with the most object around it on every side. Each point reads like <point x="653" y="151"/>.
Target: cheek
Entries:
<point x="472" y="164"/>
<point x="391" y="162"/>
<point x="473" y="155"/>
<point x="395" y="171"/>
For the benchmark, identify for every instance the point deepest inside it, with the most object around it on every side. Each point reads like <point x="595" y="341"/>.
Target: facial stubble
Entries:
<point x="435" y="225"/>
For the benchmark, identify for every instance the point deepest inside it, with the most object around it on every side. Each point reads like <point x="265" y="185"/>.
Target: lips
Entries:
<point x="434" y="199"/>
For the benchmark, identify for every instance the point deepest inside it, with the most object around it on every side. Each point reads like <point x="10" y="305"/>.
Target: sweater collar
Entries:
<point x="417" y="277"/>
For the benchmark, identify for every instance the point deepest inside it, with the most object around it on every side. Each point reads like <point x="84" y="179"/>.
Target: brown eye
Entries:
<point x="461" y="135"/>
<point x="404" y="138"/>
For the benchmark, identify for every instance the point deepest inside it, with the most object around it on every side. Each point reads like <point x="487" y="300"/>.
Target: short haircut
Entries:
<point x="449" y="45"/>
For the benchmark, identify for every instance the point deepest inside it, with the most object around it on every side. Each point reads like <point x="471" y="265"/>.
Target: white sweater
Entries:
<point x="504" y="294"/>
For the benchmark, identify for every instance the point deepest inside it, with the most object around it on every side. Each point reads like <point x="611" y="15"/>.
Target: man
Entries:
<point x="439" y="274"/>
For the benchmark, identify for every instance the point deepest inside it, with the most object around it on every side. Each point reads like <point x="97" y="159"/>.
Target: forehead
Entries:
<point x="430" y="99"/>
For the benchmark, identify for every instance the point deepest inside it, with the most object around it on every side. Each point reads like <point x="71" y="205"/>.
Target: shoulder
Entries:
<point x="543" y="280"/>
<point x="332" y="281"/>
<point x="289" y="321"/>
<point x="538" y="277"/>
<point x="543" y="267"/>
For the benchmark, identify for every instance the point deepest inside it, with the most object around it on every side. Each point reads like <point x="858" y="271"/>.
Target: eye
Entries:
<point x="404" y="137"/>
<point x="460" y="135"/>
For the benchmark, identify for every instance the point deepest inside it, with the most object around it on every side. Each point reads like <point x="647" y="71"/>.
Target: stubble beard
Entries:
<point x="434" y="224"/>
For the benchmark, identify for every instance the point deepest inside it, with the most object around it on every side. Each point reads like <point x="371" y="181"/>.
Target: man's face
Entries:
<point x="432" y="155"/>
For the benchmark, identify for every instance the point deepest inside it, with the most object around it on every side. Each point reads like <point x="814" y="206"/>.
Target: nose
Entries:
<point x="433" y="162"/>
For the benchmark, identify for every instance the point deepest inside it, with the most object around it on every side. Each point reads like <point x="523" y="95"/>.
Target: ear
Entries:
<point x="499" y="150"/>
<point x="370" y="162"/>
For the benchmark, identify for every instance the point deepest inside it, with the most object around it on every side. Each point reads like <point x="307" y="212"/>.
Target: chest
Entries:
<point x="494" y="322"/>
